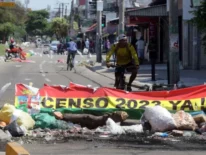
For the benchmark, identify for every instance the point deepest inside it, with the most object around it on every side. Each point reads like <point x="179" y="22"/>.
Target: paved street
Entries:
<point x="94" y="148"/>
<point x="46" y="69"/>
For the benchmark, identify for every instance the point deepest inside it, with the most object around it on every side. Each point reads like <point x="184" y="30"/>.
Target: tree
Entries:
<point x="12" y="21"/>
<point x="200" y="21"/>
<point x="48" y="30"/>
<point x="37" y="22"/>
<point x="60" y="27"/>
<point x="6" y="29"/>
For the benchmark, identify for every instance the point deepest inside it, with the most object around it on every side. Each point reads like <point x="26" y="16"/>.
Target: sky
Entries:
<point x="42" y="4"/>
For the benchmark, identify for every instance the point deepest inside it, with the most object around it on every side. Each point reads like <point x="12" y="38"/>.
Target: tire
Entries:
<point x="22" y="57"/>
<point x="120" y="83"/>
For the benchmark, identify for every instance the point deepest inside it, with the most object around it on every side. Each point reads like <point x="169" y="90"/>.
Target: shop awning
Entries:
<point x="153" y="11"/>
<point x="91" y="28"/>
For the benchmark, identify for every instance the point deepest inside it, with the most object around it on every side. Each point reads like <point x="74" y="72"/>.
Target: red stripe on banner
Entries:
<point x="78" y="91"/>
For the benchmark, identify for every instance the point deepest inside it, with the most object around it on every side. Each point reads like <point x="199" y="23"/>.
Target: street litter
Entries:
<point x="60" y="61"/>
<point x="159" y="118"/>
<point x="38" y="113"/>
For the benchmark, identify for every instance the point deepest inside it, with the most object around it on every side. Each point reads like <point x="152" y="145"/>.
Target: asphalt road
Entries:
<point x="47" y="69"/>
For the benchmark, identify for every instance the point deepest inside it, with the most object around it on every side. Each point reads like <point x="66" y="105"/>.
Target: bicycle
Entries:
<point x="70" y="60"/>
<point x="120" y="79"/>
<point x="120" y="82"/>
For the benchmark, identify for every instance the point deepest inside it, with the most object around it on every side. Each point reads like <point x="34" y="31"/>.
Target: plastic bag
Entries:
<point x="133" y="129"/>
<point x="184" y="121"/>
<point x="114" y="128"/>
<point x="85" y="51"/>
<point x="23" y="119"/>
<point x="159" y="118"/>
<point x="6" y="112"/>
<point x="44" y="120"/>
<point x="14" y="129"/>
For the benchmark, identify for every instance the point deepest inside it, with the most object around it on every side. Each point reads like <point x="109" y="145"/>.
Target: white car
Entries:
<point x="54" y="45"/>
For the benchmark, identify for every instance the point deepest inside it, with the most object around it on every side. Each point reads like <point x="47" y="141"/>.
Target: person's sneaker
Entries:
<point x="129" y="88"/>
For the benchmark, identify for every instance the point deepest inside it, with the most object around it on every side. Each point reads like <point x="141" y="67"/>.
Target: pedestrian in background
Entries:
<point x="140" y="49"/>
<point x="108" y="45"/>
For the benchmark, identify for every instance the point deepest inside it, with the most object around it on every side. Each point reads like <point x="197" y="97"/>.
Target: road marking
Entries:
<point x="18" y="66"/>
<point x="43" y="75"/>
<point x="60" y="66"/>
<point x="28" y="79"/>
<point x="47" y="80"/>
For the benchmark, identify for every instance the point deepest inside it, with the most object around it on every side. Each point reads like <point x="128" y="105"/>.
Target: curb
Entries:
<point x="144" y="87"/>
<point x="13" y="148"/>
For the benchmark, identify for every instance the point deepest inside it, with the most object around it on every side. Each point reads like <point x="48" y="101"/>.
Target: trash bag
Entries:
<point x="133" y="129"/>
<point x="159" y="118"/>
<point x="114" y="128"/>
<point x="6" y="112"/>
<point x="23" y="118"/>
<point x="85" y="51"/>
<point x="184" y="121"/>
<point x="14" y="129"/>
<point x="44" y="120"/>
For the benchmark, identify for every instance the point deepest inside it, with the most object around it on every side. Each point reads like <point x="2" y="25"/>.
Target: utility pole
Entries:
<point x="98" y="44"/>
<point x="117" y="7"/>
<point x="173" y="55"/>
<point x="121" y="16"/>
<point x="71" y="18"/>
<point x="62" y="10"/>
<point x="66" y="12"/>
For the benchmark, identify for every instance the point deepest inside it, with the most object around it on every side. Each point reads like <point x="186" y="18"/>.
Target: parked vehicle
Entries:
<point x="54" y="45"/>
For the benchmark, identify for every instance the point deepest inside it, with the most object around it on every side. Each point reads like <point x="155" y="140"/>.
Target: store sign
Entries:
<point x="7" y="3"/>
<point x="196" y="3"/>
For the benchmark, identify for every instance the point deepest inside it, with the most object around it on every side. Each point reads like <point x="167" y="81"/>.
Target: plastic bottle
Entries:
<point x="161" y="134"/>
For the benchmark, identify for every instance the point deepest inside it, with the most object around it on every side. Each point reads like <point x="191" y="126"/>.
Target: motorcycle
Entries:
<point x="18" y="54"/>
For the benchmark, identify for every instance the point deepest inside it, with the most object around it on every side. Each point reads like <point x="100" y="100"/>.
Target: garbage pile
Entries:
<point x="161" y="122"/>
<point x="157" y="121"/>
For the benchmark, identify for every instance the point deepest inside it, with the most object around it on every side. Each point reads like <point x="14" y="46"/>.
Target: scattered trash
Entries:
<point x="114" y="128"/>
<point x="177" y="133"/>
<point x="201" y="118"/>
<point x="189" y="134"/>
<point x="133" y="129"/>
<point x="159" y="134"/>
<point x="23" y="119"/>
<point x="159" y="118"/>
<point x="60" y="61"/>
<point x="44" y="120"/>
<point x="14" y="129"/>
<point x="184" y="121"/>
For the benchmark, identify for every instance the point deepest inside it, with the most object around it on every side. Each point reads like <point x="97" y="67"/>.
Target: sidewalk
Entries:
<point x="187" y="77"/>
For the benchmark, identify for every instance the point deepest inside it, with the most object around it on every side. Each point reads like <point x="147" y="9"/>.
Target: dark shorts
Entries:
<point x="130" y="67"/>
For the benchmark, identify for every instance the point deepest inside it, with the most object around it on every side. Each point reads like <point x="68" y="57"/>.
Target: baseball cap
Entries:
<point x="122" y="37"/>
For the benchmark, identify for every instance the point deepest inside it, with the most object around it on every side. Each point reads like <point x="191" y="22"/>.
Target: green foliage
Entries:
<point x="200" y="20"/>
<point x="12" y="21"/>
<point x="60" y="27"/>
<point x="7" y="28"/>
<point x="2" y="49"/>
<point x="37" y="22"/>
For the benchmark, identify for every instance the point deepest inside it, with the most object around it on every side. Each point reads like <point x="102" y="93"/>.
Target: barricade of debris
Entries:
<point x="156" y="121"/>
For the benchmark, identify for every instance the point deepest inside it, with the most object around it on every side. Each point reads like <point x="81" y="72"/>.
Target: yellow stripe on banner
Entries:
<point x="114" y="102"/>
